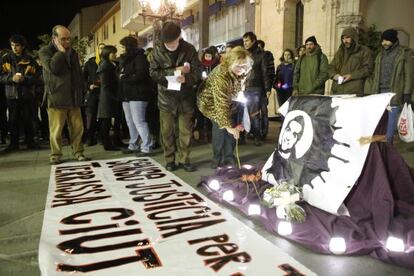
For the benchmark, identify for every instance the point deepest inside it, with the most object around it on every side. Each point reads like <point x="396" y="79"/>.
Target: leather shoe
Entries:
<point x="188" y="167"/>
<point x="82" y="158"/>
<point x="128" y="151"/>
<point x="110" y="148"/>
<point x="33" y="146"/>
<point x="143" y="154"/>
<point x="11" y="148"/>
<point x="171" y="166"/>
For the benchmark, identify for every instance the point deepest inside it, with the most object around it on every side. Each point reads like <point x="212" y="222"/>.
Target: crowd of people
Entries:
<point x="171" y="95"/>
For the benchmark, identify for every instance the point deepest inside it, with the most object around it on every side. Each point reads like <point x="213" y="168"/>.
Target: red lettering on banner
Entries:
<point x="221" y="246"/>
<point x="147" y="256"/>
<point x="291" y="271"/>
<point x="144" y="253"/>
<point x="69" y="192"/>
<point x="403" y="127"/>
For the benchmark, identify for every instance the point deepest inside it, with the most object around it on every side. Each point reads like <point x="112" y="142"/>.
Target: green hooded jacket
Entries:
<point x="355" y="61"/>
<point x="311" y="73"/>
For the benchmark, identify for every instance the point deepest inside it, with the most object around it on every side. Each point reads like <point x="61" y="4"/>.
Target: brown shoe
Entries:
<point x="55" y="161"/>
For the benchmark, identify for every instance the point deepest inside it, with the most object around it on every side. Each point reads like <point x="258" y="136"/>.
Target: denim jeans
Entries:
<point x="137" y="125"/>
<point x="223" y="146"/>
<point x="393" y="115"/>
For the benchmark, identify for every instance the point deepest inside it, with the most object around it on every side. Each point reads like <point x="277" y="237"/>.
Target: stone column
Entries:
<point x="203" y="24"/>
<point x="349" y="15"/>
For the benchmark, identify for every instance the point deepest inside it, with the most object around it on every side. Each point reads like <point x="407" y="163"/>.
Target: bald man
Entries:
<point x="63" y="92"/>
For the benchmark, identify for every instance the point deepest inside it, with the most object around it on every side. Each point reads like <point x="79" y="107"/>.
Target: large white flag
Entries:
<point x="319" y="146"/>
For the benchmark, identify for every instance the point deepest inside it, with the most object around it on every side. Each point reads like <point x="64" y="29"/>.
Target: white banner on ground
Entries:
<point x="130" y="216"/>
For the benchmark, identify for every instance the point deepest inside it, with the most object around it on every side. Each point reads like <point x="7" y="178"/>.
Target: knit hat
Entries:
<point x="390" y="35"/>
<point x="170" y="32"/>
<point x="311" y="39"/>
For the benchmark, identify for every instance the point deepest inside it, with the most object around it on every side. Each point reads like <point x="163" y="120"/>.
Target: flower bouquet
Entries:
<point x="284" y="198"/>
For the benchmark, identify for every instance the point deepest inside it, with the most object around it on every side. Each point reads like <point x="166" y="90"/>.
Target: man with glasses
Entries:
<point x="63" y="91"/>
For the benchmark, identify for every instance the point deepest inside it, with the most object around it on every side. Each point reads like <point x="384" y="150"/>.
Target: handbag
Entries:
<point x="406" y="124"/>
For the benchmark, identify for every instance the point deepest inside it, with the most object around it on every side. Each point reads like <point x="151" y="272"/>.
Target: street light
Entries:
<point x="162" y="9"/>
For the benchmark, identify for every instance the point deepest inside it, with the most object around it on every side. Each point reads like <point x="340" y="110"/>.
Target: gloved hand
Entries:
<point x="407" y="98"/>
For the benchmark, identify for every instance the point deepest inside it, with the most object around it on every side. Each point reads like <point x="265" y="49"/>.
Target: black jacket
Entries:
<point x="262" y="74"/>
<point x="62" y="77"/>
<point x="134" y="78"/>
<point x="162" y="65"/>
<point x="109" y="85"/>
<point x="89" y="74"/>
<point x="28" y="67"/>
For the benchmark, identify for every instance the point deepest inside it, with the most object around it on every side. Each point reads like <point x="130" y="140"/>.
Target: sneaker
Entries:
<point x="188" y="167"/>
<point x="171" y="166"/>
<point x="82" y="158"/>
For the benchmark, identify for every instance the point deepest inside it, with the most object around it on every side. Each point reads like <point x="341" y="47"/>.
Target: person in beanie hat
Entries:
<point x="172" y="55"/>
<point x="351" y="65"/>
<point x="394" y="72"/>
<point x="390" y="35"/>
<point x="311" y="39"/>
<point x="311" y="70"/>
<point x="170" y="32"/>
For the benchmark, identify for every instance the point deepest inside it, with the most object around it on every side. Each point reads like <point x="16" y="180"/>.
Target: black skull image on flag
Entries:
<point x="318" y="147"/>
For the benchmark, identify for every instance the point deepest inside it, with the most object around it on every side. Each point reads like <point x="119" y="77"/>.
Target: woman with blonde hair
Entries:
<point x="215" y="101"/>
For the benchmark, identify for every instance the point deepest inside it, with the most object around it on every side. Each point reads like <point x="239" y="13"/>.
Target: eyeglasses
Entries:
<point x="64" y="39"/>
<point x="242" y="66"/>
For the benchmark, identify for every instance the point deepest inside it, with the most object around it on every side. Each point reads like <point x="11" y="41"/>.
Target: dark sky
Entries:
<point x="31" y="18"/>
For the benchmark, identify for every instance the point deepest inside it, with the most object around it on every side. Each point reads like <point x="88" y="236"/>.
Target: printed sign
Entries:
<point x="319" y="146"/>
<point x="130" y="216"/>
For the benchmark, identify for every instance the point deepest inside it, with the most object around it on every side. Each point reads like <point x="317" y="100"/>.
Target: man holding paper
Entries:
<point x="176" y="69"/>
<point x="351" y="65"/>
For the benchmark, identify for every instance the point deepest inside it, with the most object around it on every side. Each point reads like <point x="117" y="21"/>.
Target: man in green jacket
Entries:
<point x="311" y="70"/>
<point x="351" y="65"/>
<point x="64" y="93"/>
<point x="394" y="72"/>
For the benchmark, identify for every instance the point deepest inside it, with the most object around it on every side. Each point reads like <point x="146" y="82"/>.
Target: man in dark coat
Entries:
<point x="394" y="72"/>
<point x="258" y="84"/>
<point x="351" y="65"/>
<point x="20" y="74"/>
<point x="174" y="56"/>
<point x="63" y="91"/>
<point x="92" y="96"/>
